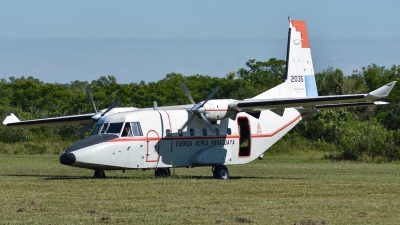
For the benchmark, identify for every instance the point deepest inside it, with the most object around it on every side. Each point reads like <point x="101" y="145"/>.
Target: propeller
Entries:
<point x="96" y="117"/>
<point x="198" y="109"/>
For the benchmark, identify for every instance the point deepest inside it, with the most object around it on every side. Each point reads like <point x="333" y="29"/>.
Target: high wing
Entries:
<point x="89" y="118"/>
<point x="12" y="120"/>
<point x="319" y="102"/>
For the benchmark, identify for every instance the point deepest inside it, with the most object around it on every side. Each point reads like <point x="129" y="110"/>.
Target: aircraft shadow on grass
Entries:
<point x="63" y="177"/>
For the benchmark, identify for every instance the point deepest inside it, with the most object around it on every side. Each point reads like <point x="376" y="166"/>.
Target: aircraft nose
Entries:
<point x="67" y="158"/>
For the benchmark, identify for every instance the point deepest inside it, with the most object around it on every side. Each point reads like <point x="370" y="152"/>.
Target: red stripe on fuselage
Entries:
<point x="127" y="139"/>
<point x="278" y="130"/>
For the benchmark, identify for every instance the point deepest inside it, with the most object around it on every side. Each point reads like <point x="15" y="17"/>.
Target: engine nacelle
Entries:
<point x="218" y="109"/>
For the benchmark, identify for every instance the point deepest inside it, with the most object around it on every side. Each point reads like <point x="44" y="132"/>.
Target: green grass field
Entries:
<point x="277" y="190"/>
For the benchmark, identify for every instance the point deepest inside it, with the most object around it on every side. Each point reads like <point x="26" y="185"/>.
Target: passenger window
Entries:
<point x="216" y="131"/>
<point x="229" y="131"/>
<point x="168" y="133"/>
<point x="180" y="133"/>
<point x="204" y="131"/>
<point x="191" y="132"/>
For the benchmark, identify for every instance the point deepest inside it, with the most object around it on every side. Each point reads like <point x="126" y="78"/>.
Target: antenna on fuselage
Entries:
<point x="155" y="105"/>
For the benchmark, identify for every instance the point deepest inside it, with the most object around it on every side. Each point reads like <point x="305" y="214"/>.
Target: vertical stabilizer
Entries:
<point x="299" y="65"/>
<point x="300" y="79"/>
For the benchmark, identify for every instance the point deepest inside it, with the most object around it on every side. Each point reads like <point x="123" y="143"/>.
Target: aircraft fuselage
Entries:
<point x="161" y="144"/>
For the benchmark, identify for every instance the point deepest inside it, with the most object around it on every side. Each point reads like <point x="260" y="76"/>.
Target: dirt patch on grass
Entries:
<point x="364" y="214"/>
<point x="106" y="219"/>
<point x="311" y="222"/>
<point x="91" y="211"/>
<point x="22" y="210"/>
<point x="243" y="220"/>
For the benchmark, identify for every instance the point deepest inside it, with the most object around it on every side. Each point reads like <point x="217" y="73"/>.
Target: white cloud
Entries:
<point x="333" y="58"/>
<point x="46" y="67"/>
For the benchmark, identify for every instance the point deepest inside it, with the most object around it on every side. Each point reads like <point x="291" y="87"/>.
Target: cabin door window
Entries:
<point x="244" y="140"/>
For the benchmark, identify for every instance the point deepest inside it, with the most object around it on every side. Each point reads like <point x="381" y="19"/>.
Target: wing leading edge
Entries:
<point x="12" y="120"/>
<point x="321" y="102"/>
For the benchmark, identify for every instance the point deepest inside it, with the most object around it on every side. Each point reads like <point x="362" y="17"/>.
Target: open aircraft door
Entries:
<point x="153" y="140"/>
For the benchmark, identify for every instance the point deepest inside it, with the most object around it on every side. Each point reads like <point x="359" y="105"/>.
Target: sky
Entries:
<point x="64" y="41"/>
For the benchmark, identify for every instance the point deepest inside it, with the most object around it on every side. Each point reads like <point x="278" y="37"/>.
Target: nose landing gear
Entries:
<point x="162" y="172"/>
<point x="99" y="174"/>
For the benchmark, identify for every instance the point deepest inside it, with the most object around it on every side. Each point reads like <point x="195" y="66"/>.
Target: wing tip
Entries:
<point x="11" y="118"/>
<point x="383" y="91"/>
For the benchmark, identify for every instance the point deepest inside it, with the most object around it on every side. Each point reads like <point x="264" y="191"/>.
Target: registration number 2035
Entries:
<point x="297" y="78"/>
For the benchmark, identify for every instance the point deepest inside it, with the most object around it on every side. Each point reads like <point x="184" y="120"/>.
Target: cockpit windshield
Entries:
<point x="111" y="128"/>
<point x="96" y="129"/>
<point x="130" y="129"/>
<point x="114" y="128"/>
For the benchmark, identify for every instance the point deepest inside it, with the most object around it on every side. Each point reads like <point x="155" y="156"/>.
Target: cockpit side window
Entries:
<point x="136" y="129"/>
<point x="131" y="129"/>
<point x="127" y="131"/>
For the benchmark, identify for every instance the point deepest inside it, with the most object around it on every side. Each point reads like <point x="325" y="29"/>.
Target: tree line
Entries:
<point x="364" y="133"/>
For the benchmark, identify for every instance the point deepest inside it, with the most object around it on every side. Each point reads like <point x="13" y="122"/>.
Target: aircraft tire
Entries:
<point x="221" y="172"/>
<point x="99" y="174"/>
<point x="162" y="172"/>
<point x="167" y="172"/>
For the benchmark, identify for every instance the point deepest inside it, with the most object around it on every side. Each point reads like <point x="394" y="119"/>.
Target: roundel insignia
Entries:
<point x="296" y="41"/>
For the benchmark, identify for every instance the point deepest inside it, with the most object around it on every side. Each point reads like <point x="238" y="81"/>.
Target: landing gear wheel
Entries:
<point x="221" y="172"/>
<point x="162" y="172"/>
<point x="99" y="174"/>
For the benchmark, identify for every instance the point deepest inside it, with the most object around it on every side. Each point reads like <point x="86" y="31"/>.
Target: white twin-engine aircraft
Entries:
<point x="215" y="132"/>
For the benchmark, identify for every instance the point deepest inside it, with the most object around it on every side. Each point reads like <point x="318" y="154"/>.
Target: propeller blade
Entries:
<point x="211" y="95"/>
<point x="115" y="104"/>
<point x="188" y="121"/>
<point x="207" y="123"/>
<point x="91" y="99"/>
<point x="85" y="128"/>
<point x="186" y="90"/>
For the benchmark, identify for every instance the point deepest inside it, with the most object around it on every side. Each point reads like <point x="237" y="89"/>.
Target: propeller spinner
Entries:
<point x="198" y="109"/>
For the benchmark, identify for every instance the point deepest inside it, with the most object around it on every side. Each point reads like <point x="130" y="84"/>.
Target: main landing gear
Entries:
<point x="162" y="172"/>
<point x="99" y="174"/>
<point x="221" y="172"/>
